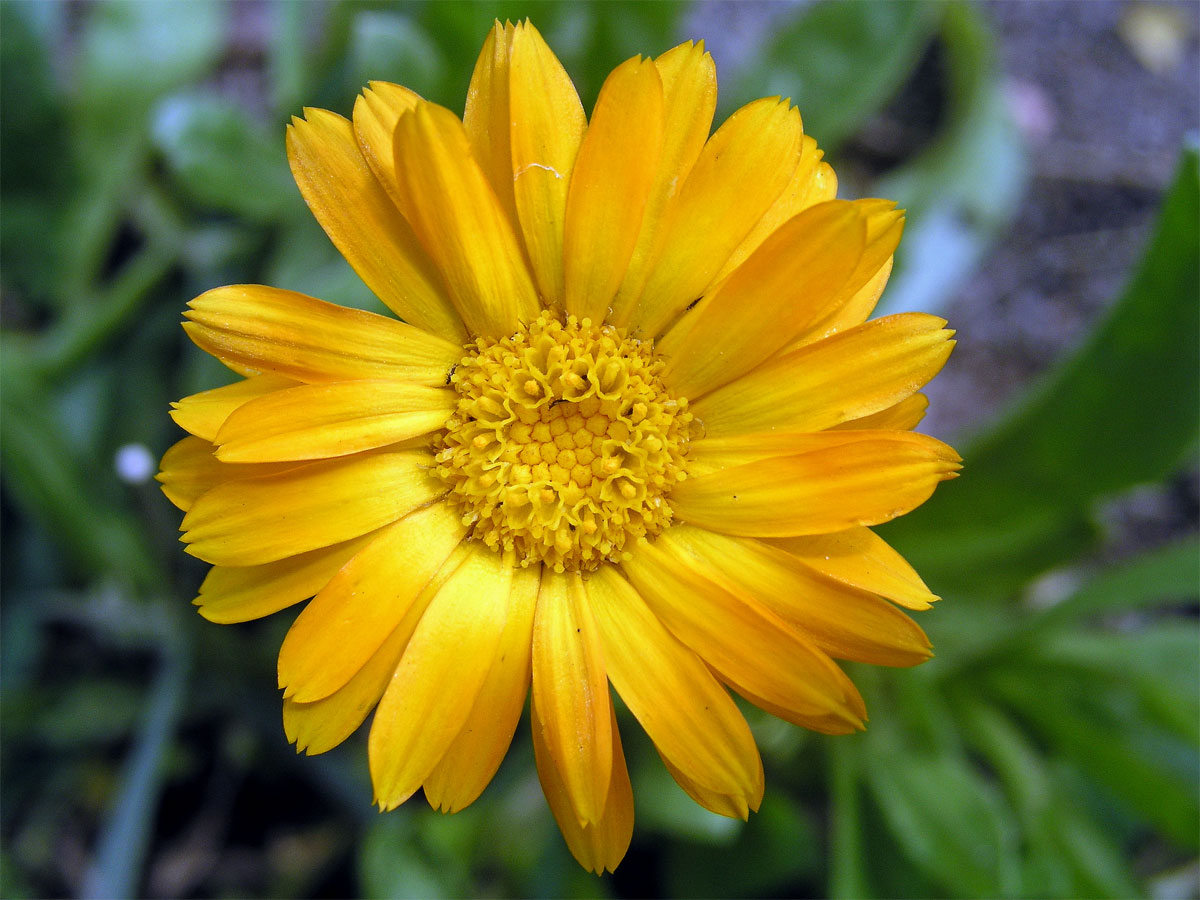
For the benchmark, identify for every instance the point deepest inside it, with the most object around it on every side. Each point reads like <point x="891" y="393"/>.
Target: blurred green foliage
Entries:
<point x="1049" y="750"/>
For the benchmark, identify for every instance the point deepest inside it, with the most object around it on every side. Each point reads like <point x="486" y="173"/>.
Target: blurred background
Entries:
<point x="1046" y="153"/>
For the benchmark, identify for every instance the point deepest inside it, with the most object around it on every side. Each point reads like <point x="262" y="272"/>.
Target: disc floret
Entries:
<point x="565" y="444"/>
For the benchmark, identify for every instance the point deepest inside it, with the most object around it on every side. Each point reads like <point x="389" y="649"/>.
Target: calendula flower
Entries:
<point x="629" y="427"/>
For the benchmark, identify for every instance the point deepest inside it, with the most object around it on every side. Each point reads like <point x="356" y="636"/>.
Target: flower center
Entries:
<point x="564" y="444"/>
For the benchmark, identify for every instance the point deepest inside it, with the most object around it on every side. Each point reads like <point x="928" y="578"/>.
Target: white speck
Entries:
<point x="525" y="168"/>
<point x="134" y="464"/>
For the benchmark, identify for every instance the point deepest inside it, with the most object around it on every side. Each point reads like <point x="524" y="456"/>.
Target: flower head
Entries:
<point x="629" y="426"/>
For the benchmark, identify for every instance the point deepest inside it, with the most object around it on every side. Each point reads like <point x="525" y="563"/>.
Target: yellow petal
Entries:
<point x="841" y="722"/>
<point x="189" y="470"/>
<point x="857" y="300"/>
<point x="363" y="602"/>
<point x="847" y="376"/>
<point x="478" y="749"/>
<point x="259" y="520"/>
<point x="571" y="692"/>
<point x="844" y="622"/>
<point x="813" y="182"/>
<point x="833" y="480"/>
<point x="546" y="131"/>
<point x="361" y="219"/>
<point x="778" y="292"/>
<point x="689" y="80"/>
<point x="376" y="112"/>
<point x="241" y="593"/>
<point x="487" y="117"/>
<point x="279" y="331"/>
<point x="203" y="414"/>
<point x="693" y="721"/>
<point x="439" y="677"/>
<point x="854" y="311"/>
<point x="317" y="421"/>
<point x="739" y="173"/>
<point x="733" y="806"/>
<point x="903" y="416"/>
<point x="323" y="724"/>
<point x="747" y="644"/>
<point x="860" y="558"/>
<point x="613" y="174"/>
<point x="600" y="846"/>
<point x="460" y="223"/>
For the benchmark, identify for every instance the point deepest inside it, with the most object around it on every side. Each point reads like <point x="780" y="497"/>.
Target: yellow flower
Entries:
<point x="629" y="426"/>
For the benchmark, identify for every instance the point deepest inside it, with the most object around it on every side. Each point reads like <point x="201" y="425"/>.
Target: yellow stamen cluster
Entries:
<point x="564" y="444"/>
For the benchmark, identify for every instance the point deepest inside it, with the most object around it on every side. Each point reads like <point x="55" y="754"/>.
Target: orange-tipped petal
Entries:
<point x="817" y="483"/>
<point x="259" y="520"/>
<point x="546" y="128"/>
<point x="853" y="374"/>
<point x="598" y="846"/>
<point x="361" y="219"/>
<point x="694" y="723"/>
<point x="471" y="761"/>
<point x="364" y="602"/>
<point x="439" y="677"/>
<point x="318" y="421"/>
<point x="746" y="643"/>
<point x="570" y="689"/>
<point x="610" y="184"/>
<point x="306" y="339"/>
<point x="460" y="223"/>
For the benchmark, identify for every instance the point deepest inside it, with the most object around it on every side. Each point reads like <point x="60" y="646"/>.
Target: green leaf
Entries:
<point x="1119" y="412"/>
<point x="840" y="62"/>
<point x="38" y="170"/>
<point x="1096" y="862"/>
<point x="459" y="28"/>
<point x="130" y="54"/>
<point x="134" y="52"/>
<point x="1160" y="663"/>
<point x="1122" y="410"/>
<point x="1086" y="721"/>
<point x="949" y="821"/>
<point x="1168" y="574"/>
<point x="607" y="33"/>
<point x="1065" y="854"/>
<point x="84" y="331"/>
<point x="1165" y="576"/>
<point x="222" y="158"/>
<point x="847" y="856"/>
<point x="289" y="55"/>
<point x="395" y="862"/>
<point x="389" y="47"/>
<point x="306" y="261"/>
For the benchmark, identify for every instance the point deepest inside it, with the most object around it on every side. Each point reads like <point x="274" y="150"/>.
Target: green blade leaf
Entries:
<point x="1066" y="854"/>
<point x="1103" y="735"/>
<point x="950" y="822"/>
<point x="1165" y="576"/>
